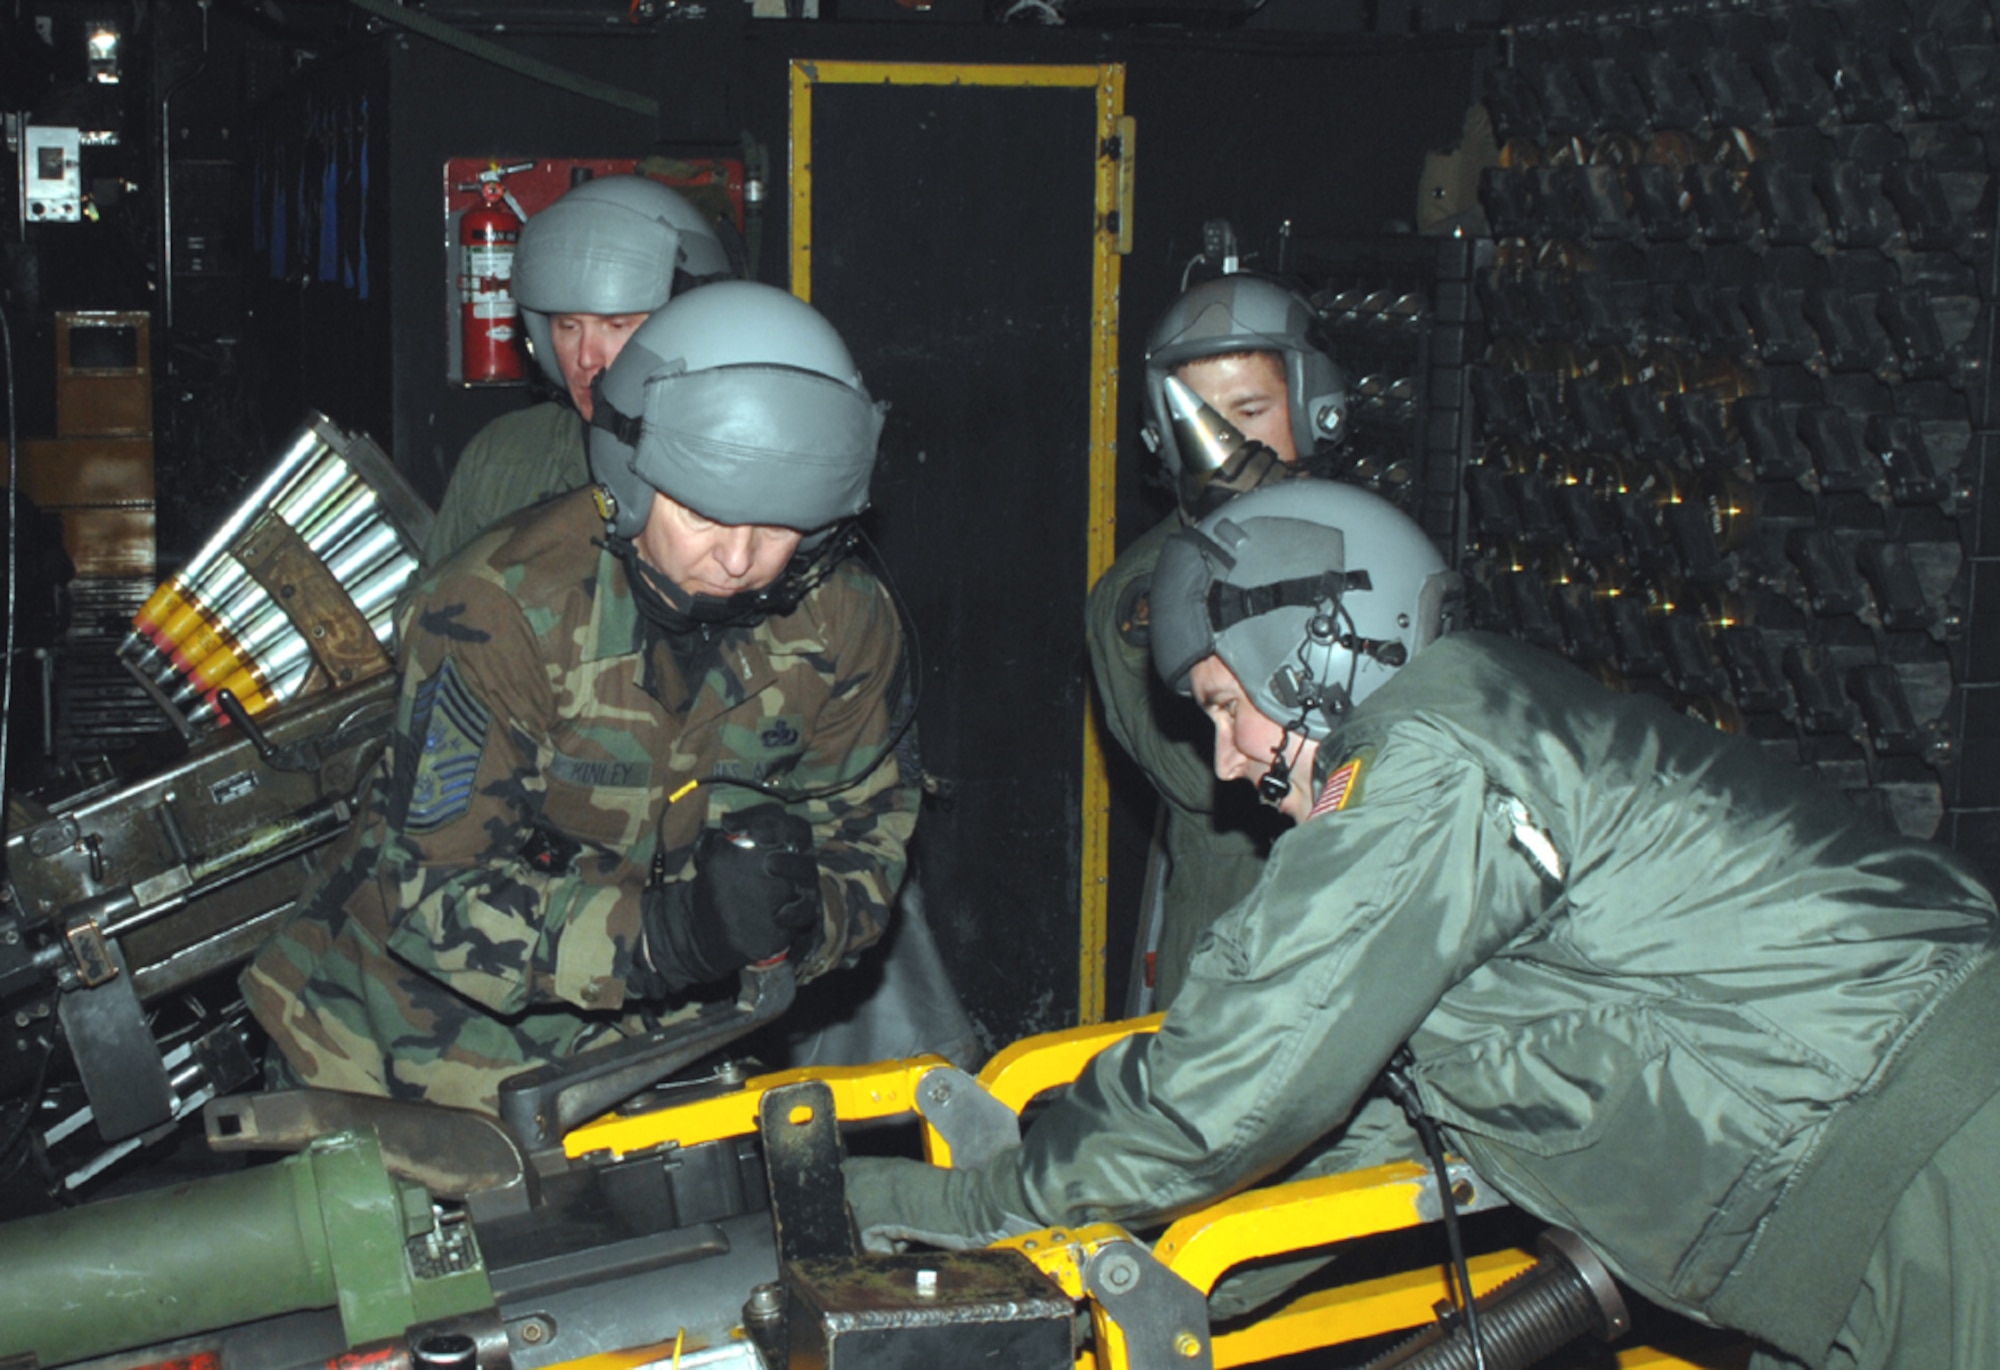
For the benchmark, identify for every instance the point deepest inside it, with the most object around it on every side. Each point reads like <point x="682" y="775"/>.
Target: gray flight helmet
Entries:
<point x="1241" y="313"/>
<point x="609" y="246"/>
<point x="1312" y="592"/>
<point x="741" y="402"/>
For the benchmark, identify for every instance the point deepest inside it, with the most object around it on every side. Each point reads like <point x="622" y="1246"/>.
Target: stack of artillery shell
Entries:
<point x="339" y="511"/>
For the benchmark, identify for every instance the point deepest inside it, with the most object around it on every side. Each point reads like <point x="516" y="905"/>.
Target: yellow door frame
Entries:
<point x="1113" y="236"/>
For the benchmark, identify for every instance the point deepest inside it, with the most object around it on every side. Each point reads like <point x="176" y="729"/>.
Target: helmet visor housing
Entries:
<point x="593" y="258"/>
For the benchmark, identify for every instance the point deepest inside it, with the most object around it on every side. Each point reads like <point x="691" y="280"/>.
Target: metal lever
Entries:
<point x="540" y="1105"/>
<point x="309" y="754"/>
<point x="802" y="1154"/>
<point x="451" y="1152"/>
<point x="233" y="709"/>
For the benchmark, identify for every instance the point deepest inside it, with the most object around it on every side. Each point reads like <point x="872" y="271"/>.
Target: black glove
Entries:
<point x="895" y="1201"/>
<point x="755" y="891"/>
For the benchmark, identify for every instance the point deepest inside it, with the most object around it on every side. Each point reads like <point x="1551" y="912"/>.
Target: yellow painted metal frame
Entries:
<point x="1303" y="1216"/>
<point x="1018" y="1073"/>
<point x="1306" y="1214"/>
<point x="1200" y="1248"/>
<point x="1113" y="235"/>
<point x="886" y="1090"/>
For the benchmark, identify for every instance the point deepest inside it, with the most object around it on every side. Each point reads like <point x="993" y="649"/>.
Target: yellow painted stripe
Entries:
<point x="251" y="686"/>
<point x="206" y="637"/>
<point x="192" y="612"/>
<point x="806" y="74"/>
<point x="214" y="670"/>
<point x="943" y="74"/>
<point x="1102" y="542"/>
<point x="799" y="175"/>
<point x="161" y="606"/>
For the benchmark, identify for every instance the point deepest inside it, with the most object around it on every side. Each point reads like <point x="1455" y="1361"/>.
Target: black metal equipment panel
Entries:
<point x="1734" y="412"/>
<point x="971" y="314"/>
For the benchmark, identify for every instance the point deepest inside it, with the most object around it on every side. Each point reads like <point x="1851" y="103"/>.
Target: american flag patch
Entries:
<point x="1333" y="796"/>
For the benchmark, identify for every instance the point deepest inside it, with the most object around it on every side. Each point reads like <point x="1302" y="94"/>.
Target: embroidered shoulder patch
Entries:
<point x="454" y="725"/>
<point x="1340" y="789"/>
<point x="1135" y="614"/>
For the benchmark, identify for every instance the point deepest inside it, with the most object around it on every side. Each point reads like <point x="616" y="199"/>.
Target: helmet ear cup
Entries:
<point x="1319" y="397"/>
<point x="624" y="499"/>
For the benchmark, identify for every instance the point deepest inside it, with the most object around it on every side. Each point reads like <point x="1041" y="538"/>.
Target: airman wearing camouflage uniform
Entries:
<point x="590" y="269"/>
<point x="536" y="868"/>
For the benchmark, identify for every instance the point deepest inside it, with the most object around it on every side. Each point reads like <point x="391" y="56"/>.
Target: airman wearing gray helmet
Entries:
<point x="687" y="429"/>
<point x="589" y="270"/>
<point x="1654" y="986"/>
<point x="598" y="695"/>
<point x="1245" y="347"/>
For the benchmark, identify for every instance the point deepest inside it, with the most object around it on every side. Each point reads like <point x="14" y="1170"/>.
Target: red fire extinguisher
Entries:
<point x="488" y="316"/>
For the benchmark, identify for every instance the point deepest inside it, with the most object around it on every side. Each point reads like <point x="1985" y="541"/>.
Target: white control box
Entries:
<point x="51" y="179"/>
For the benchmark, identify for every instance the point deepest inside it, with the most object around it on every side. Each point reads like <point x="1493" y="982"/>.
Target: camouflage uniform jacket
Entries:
<point x="517" y="460"/>
<point x="482" y="914"/>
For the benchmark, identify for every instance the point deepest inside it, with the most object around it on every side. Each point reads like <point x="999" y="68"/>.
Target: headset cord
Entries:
<point x="903" y="712"/>
<point x="1396" y="1080"/>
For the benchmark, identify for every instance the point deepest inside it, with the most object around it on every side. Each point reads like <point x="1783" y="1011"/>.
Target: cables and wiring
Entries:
<point x="1396" y="1080"/>
<point x="1041" y="11"/>
<point x="908" y="691"/>
<point x="31" y="1099"/>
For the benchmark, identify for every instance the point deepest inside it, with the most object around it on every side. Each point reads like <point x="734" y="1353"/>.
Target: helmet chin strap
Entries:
<point x="676" y="611"/>
<point x="627" y="428"/>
